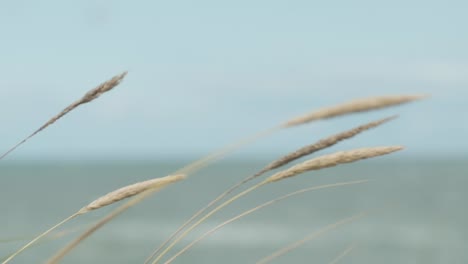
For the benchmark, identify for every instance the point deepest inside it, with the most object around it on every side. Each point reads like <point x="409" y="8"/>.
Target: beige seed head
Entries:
<point x="102" y="88"/>
<point x="324" y="143"/>
<point x="131" y="190"/>
<point x="88" y="97"/>
<point x="358" y="105"/>
<point x="331" y="160"/>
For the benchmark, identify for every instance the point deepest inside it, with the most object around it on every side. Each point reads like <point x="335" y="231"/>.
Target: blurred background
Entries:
<point x="205" y="74"/>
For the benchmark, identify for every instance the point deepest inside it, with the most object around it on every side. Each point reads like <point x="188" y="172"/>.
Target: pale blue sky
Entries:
<point x="205" y="73"/>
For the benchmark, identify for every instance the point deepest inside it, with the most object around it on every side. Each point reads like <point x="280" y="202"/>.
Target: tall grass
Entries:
<point x="142" y="190"/>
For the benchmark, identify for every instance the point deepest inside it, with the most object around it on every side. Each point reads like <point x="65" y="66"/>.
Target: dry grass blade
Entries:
<point x="304" y="151"/>
<point x="201" y="220"/>
<point x="313" y="164"/>
<point x="88" y="97"/>
<point x="110" y="198"/>
<point x="345" y="109"/>
<point x="38" y="238"/>
<point x="354" y="106"/>
<point x="53" y="236"/>
<point x="145" y="192"/>
<point x="359" y="105"/>
<point x="343" y="254"/>
<point x="63" y="252"/>
<point x="310" y="237"/>
<point x="323" y="143"/>
<point x="333" y="160"/>
<point x="203" y="162"/>
<point x="131" y="190"/>
<point x="211" y="231"/>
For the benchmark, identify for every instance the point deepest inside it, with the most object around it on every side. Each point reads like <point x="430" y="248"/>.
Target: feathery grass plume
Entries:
<point x="350" y="107"/>
<point x="323" y="143"/>
<point x="313" y="164"/>
<point x="131" y="190"/>
<point x="64" y="251"/>
<point x="358" y="105"/>
<point x="310" y="237"/>
<point x="88" y="97"/>
<point x="110" y="198"/>
<point x="343" y="254"/>
<point x="304" y="151"/>
<point x="198" y="164"/>
<point x="333" y="160"/>
<point x="271" y="202"/>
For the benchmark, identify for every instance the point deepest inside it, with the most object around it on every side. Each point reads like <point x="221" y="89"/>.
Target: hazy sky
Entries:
<point x="205" y="73"/>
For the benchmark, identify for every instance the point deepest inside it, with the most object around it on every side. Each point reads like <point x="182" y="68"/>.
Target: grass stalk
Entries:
<point x="110" y="198"/>
<point x="310" y="237"/>
<point x="88" y="97"/>
<point x="321" y="162"/>
<point x="354" y="106"/>
<point x="343" y="254"/>
<point x="68" y="248"/>
<point x="252" y="210"/>
<point x="332" y="160"/>
<point x="221" y="206"/>
<point x="39" y="237"/>
<point x="346" y="108"/>
<point x="297" y="154"/>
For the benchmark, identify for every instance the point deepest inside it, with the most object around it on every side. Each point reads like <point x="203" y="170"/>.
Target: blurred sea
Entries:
<point x="417" y="212"/>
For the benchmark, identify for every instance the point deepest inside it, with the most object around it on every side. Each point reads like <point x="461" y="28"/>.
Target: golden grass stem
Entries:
<point x="310" y="237"/>
<point x="347" y="108"/>
<point x="343" y="254"/>
<point x="39" y="237"/>
<point x="88" y="97"/>
<point x="221" y="206"/>
<point x="131" y="190"/>
<point x="313" y="164"/>
<point x="304" y="151"/>
<point x="68" y="248"/>
<point x="332" y="160"/>
<point x="322" y="144"/>
<point x="198" y="164"/>
<point x="271" y="202"/>
<point x="110" y="198"/>
<point x="350" y="107"/>
<point x="354" y="106"/>
<point x="343" y="109"/>
<point x="142" y="188"/>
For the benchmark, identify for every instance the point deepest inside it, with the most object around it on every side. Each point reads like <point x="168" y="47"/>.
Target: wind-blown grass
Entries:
<point x="322" y="162"/>
<point x="310" y="237"/>
<point x="110" y="198"/>
<point x="290" y="157"/>
<point x="343" y="254"/>
<point x="141" y="190"/>
<point x="88" y="97"/>
<point x="247" y="212"/>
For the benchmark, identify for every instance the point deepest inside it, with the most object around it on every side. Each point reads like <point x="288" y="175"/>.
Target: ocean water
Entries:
<point x="416" y="213"/>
